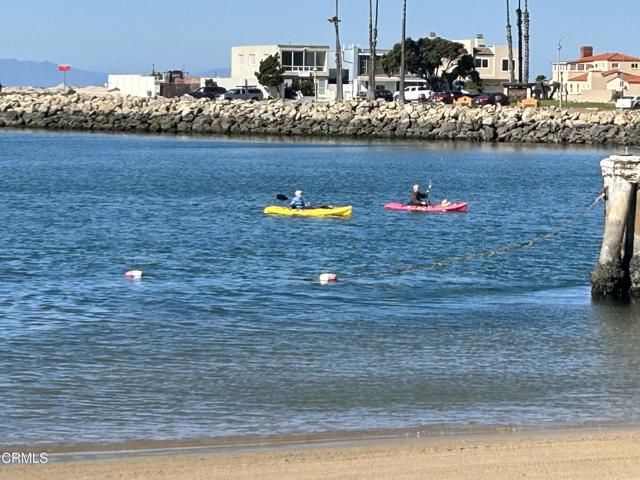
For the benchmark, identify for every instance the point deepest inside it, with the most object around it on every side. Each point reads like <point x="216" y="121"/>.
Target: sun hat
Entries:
<point x="298" y="193"/>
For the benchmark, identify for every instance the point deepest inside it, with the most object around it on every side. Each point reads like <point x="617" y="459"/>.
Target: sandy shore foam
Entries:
<point x="561" y="454"/>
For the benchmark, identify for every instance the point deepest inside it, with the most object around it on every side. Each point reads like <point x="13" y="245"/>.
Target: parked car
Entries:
<point x="628" y="102"/>
<point x="446" y="97"/>
<point x="242" y="93"/>
<point x="420" y="92"/>
<point x="384" y="95"/>
<point x="491" y="99"/>
<point x="207" y="92"/>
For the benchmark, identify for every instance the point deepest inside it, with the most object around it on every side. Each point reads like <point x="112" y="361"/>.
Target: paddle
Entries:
<point x="426" y="196"/>
<point x="284" y="198"/>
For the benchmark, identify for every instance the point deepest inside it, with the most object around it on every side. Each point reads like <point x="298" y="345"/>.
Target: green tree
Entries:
<point x="542" y="87"/>
<point x="209" y="83"/>
<point x="440" y="62"/>
<point x="307" y="87"/>
<point x="270" y="73"/>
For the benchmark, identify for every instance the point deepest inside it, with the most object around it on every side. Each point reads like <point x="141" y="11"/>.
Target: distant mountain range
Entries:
<point x="21" y="73"/>
<point x="25" y="73"/>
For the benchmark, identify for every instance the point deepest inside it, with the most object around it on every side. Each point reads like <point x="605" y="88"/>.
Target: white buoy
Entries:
<point x="133" y="274"/>
<point x="328" y="277"/>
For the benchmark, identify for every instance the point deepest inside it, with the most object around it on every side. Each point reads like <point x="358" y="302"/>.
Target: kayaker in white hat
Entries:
<point x="297" y="201"/>
<point x="417" y="197"/>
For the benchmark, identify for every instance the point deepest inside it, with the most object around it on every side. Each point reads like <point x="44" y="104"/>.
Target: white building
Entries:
<point x="300" y="63"/>
<point x="135" y="85"/>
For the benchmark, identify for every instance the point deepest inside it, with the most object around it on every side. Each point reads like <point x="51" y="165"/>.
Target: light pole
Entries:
<point x="558" y="69"/>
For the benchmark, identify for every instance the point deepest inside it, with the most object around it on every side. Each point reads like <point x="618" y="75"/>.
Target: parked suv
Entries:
<point x="491" y="99"/>
<point x="420" y="92"/>
<point x="242" y="93"/>
<point x="207" y="92"/>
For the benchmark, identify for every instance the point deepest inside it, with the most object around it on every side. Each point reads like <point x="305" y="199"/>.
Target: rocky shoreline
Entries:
<point x="428" y="121"/>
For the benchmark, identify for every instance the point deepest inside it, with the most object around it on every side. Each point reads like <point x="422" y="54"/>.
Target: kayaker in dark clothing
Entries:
<point x="297" y="201"/>
<point x="417" y="197"/>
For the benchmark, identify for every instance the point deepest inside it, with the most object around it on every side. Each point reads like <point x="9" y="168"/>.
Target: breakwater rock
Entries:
<point x="431" y="121"/>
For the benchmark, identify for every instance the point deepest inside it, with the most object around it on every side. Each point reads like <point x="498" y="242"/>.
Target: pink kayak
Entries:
<point x="452" y="207"/>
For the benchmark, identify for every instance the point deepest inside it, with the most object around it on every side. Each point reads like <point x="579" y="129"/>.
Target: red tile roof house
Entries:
<point x="596" y="78"/>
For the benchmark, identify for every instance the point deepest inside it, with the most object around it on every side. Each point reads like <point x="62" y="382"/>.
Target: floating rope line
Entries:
<point x="489" y="253"/>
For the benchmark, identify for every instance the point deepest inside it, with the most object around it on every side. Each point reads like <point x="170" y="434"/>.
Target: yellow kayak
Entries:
<point x="310" y="212"/>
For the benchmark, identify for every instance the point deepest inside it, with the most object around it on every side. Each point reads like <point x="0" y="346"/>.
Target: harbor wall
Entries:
<point x="429" y="121"/>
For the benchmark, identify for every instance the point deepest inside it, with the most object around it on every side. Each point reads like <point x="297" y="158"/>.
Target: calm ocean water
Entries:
<point x="227" y="334"/>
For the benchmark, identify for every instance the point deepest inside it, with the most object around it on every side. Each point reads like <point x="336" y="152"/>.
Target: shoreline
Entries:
<point x="63" y="452"/>
<point x="578" y="453"/>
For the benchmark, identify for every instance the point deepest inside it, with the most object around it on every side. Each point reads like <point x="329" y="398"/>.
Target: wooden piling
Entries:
<point x="617" y="274"/>
<point x="634" y="263"/>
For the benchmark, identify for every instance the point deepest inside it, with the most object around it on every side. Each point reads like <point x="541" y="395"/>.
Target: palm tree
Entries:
<point x="525" y="19"/>
<point x="402" y="62"/>
<point x="373" y="40"/>
<point x="339" y="91"/>
<point x="512" y="75"/>
<point x="519" y="22"/>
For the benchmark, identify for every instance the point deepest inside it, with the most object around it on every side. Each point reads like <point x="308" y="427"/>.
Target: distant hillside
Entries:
<point x="215" y="72"/>
<point x="19" y="73"/>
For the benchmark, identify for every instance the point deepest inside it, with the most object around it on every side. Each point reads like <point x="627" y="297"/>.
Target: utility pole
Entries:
<point x="402" y="59"/>
<point x="339" y="90"/>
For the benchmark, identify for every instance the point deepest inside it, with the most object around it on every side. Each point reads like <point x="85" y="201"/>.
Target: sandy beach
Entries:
<point x="556" y="455"/>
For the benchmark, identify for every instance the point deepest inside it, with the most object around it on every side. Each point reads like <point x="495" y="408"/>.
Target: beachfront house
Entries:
<point x="598" y="78"/>
<point x="491" y="61"/>
<point x="300" y="62"/>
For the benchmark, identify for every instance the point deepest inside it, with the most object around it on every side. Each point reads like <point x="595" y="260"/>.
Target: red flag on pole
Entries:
<point x="64" y="68"/>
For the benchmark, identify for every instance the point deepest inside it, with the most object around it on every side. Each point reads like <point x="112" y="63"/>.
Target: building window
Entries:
<point x="287" y="58"/>
<point x="505" y="65"/>
<point x="581" y="66"/>
<point x="303" y="60"/>
<point x="634" y="66"/>
<point x="615" y="65"/>
<point x="240" y="59"/>
<point x="252" y="59"/>
<point x="482" y="62"/>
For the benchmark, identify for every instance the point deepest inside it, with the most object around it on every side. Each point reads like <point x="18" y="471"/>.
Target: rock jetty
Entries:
<point x="429" y="121"/>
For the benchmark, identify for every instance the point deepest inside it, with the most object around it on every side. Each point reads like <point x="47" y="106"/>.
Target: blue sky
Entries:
<point x="127" y="36"/>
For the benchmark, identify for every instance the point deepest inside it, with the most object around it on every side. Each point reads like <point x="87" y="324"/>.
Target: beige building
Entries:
<point x="300" y="62"/>
<point x="492" y="62"/>
<point x="597" y="78"/>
